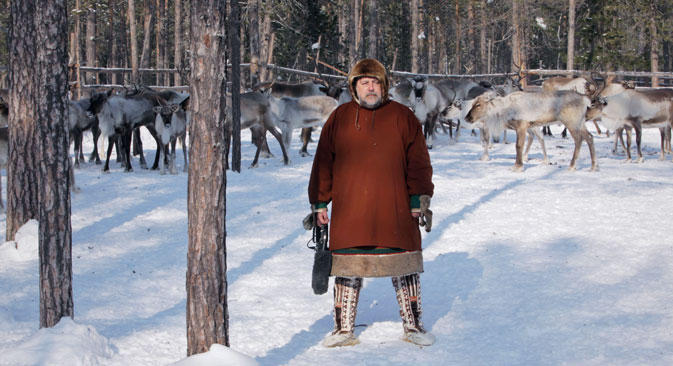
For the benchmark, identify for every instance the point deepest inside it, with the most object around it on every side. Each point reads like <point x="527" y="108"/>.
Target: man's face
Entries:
<point x="368" y="90"/>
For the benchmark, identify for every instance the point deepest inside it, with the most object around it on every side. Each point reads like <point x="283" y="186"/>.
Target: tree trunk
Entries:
<point x="344" y="31"/>
<point x="482" y="38"/>
<point x="177" y="40"/>
<point x="159" y="36"/>
<point x="22" y="170"/>
<point x="654" y="48"/>
<point x="571" y="34"/>
<point x="78" y="58"/>
<point x="459" y="32"/>
<point x="133" y="41"/>
<point x="253" y="36"/>
<point x="90" y="43"/>
<point x="235" y="44"/>
<point x="373" y="29"/>
<point x="518" y="61"/>
<point x="415" y="27"/>
<point x="356" y="32"/>
<point x="55" y="242"/>
<point x="146" y="56"/>
<point x="207" y="312"/>
<point x="266" y="52"/>
<point x="112" y="40"/>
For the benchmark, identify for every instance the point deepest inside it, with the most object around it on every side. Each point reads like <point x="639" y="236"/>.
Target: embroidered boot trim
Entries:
<point x="408" y="290"/>
<point x="346" y="294"/>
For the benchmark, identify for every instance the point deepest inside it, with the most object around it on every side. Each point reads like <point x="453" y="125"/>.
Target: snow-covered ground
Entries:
<point x="544" y="267"/>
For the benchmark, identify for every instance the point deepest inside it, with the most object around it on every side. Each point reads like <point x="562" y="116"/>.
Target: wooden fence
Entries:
<point x="532" y="76"/>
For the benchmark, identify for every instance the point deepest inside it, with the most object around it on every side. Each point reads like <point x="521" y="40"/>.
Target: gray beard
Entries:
<point x="371" y="105"/>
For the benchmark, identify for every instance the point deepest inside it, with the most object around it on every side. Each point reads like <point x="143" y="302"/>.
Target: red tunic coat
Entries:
<point x="368" y="169"/>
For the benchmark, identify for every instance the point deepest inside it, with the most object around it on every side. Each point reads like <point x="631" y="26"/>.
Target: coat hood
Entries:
<point x="372" y="68"/>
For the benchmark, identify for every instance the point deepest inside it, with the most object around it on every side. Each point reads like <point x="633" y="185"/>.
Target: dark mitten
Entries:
<point x="426" y="213"/>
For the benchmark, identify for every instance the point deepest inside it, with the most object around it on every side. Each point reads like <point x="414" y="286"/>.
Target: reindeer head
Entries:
<point x="165" y="110"/>
<point x="479" y="107"/>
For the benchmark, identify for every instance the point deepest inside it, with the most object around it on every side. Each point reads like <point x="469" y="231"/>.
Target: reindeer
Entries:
<point x="521" y="110"/>
<point x="292" y="113"/>
<point x="322" y="87"/>
<point x="80" y="120"/>
<point x="119" y="115"/>
<point x="427" y="103"/>
<point x="171" y="124"/>
<point x="581" y="85"/>
<point x="458" y="111"/>
<point x="638" y="109"/>
<point x="255" y="114"/>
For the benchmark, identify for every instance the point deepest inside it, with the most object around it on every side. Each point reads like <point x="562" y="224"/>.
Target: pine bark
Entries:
<point x="112" y="40"/>
<point x="571" y="34"/>
<point x="253" y="37"/>
<point x="459" y="32"/>
<point x="146" y="56"/>
<point x="90" y="42"/>
<point x="22" y="170"/>
<point x="207" y="311"/>
<point x="517" y="58"/>
<point x="177" y="40"/>
<point x="415" y="27"/>
<point x="55" y="242"/>
<point x="482" y="38"/>
<point x="159" y="36"/>
<point x="133" y="40"/>
<point x="654" y="46"/>
<point x="373" y="29"/>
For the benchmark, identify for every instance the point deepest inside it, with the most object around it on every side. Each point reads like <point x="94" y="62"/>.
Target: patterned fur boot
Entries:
<point x="408" y="289"/>
<point x="346" y="294"/>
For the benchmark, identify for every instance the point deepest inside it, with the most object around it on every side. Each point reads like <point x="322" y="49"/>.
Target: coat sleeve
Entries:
<point x="419" y="168"/>
<point x="320" y="183"/>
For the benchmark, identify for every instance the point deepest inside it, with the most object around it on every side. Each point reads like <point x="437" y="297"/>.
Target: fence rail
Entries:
<point x="396" y="74"/>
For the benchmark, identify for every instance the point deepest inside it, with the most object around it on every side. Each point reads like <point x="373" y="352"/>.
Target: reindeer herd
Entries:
<point x="444" y="105"/>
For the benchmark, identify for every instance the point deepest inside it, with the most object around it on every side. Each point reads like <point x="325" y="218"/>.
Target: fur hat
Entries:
<point x="372" y="68"/>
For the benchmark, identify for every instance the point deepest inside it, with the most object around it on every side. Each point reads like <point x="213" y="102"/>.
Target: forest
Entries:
<point x="419" y="36"/>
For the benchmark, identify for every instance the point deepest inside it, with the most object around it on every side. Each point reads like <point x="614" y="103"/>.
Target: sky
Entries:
<point x="540" y="267"/>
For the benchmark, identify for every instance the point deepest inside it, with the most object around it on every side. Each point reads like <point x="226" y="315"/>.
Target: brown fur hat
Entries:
<point x="372" y="68"/>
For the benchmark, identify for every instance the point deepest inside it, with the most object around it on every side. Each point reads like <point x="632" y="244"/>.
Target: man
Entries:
<point x="372" y="164"/>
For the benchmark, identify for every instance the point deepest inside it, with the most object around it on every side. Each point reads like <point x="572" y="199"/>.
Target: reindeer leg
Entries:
<point x="662" y="133"/>
<point x="185" y="168"/>
<point x="138" y="148"/>
<point x="598" y="129"/>
<point x="589" y="138"/>
<point x="286" y="159"/>
<point x="158" y="142"/>
<point x="164" y="148"/>
<point x="80" y="139"/>
<point x="305" y="139"/>
<point x="174" y="170"/>
<point x="94" y="154"/>
<point x="639" y="135"/>
<point x="538" y="133"/>
<point x="485" y="135"/>
<point x="126" y="152"/>
<point x="521" y="128"/>
<point x="528" y="144"/>
<point x="110" y="145"/>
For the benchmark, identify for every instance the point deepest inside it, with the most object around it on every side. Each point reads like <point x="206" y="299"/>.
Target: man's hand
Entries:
<point x="323" y="218"/>
<point x="426" y="213"/>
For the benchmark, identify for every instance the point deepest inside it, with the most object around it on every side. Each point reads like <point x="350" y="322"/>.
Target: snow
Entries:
<point x="543" y="267"/>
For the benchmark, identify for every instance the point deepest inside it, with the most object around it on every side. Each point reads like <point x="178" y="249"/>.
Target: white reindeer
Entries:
<point x="522" y="110"/>
<point x="638" y="109"/>
<point x="292" y="113"/>
<point x="255" y="115"/>
<point x="581" y="85"/>
<point x="458" y="111"/>
<point x="171" y="124"/>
